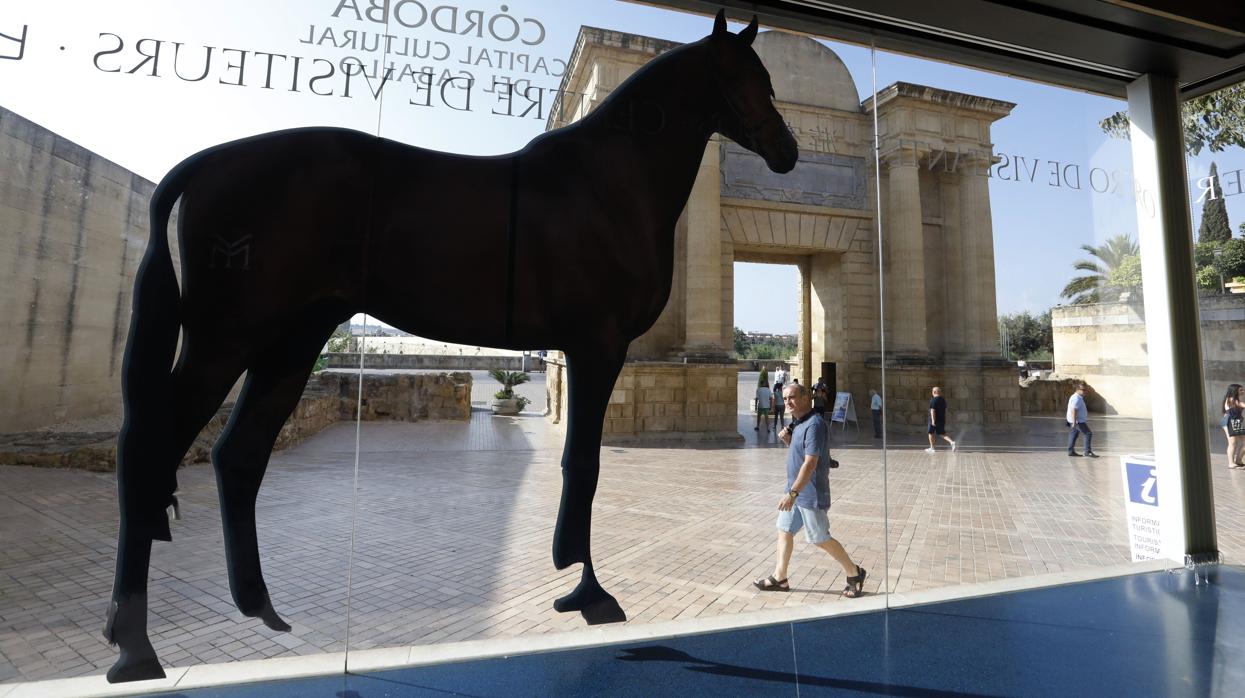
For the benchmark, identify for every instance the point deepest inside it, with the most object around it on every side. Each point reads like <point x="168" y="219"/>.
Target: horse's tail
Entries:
<point x="146" y="370"/>
<point x="154" y="317"/>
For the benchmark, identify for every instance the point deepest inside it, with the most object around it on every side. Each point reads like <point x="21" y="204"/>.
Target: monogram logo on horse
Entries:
<point x="587" y="212"/>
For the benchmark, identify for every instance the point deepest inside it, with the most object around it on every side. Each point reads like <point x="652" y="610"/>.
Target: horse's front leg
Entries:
<point x="591" y="380"/>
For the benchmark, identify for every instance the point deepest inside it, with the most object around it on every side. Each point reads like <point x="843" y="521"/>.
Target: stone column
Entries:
<point x="804" y="348"/>
<point x="829" y="307"/>
<point x="981" y="328"/>
<point x="703" y="338"/>
<point x="905" y="277"/>
<point x="954" y="267"/>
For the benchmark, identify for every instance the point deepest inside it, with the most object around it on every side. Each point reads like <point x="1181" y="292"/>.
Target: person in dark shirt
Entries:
<point x="821" y="396"/>
<point x="938" y="420"/>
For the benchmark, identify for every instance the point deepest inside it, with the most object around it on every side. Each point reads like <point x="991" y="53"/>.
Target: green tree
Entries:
<point x="1029" y="336"/>
<point x="1219" y="260"/>
<point x="1208" y="278"/>
<point x="1127" y="274"/>
<point x="741" y="343"/>
<point x="1232" y="259"/>
<point x="338" y="342"/>
<point x="1215" y="226"/>
<point x="1088" y="288"/>
<point x="1215" y="121"/>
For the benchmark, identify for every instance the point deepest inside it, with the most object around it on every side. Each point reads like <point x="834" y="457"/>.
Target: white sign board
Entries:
<point x="844" y="410"/>
<point x="1152" y="509"/>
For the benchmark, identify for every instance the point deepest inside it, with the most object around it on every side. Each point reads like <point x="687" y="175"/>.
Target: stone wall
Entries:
<point x="404" y="397"/>
<point x="435" y="362"/>
<point x="660" y="401"/>
<point x="73" y="227"/>
<point x="1051" y="396"/>
<point x="1105" y="345"/>
<point x="330" y="396"/>
<point x="982" y="397"/>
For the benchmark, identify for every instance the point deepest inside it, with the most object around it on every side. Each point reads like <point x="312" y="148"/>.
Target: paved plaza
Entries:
<point x="454" y="523"/>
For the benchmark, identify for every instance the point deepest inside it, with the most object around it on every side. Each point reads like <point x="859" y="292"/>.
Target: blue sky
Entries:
<point x="147" y="123"/>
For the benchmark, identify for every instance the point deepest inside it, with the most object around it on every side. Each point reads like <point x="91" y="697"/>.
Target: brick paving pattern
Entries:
<point x="455" y="523"/>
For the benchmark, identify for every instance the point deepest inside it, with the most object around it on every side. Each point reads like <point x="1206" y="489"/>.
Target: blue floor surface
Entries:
<point x="1154" y="634"/>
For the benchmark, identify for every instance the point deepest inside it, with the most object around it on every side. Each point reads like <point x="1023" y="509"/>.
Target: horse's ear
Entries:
<point x="750" y="32"/>
<point x="719" y="24"/>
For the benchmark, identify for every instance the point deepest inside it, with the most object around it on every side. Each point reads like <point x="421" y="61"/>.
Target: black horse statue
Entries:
<point x="285" y="235"/>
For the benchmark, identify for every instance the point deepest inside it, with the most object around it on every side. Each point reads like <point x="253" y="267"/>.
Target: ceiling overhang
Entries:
<point x="1094" y="45"/>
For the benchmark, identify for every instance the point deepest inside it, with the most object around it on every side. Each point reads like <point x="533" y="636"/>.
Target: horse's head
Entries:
<point x="745" y="110"/>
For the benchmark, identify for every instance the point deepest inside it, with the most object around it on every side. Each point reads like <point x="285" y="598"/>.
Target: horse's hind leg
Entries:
<point x="272" y="390"/>
<point x="592" y="377"/>
<point x="157" y="434"/>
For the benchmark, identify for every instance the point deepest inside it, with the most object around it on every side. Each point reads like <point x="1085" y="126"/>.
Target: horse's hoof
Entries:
<point x="145" y="667"/>
<point x="596" y="608"/>
<point x="604" y="611"/>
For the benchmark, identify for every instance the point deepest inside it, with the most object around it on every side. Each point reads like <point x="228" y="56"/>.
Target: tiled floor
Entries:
<point x="452" y="537"/>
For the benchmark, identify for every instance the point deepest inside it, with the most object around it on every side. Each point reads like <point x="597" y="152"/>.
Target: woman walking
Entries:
<point x="1234" y="426"/>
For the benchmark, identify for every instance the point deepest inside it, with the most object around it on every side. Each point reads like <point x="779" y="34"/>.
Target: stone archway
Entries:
<point x="680" y="379"/>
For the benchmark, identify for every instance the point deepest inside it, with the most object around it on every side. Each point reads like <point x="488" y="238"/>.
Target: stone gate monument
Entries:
<point x="938" y="254"/>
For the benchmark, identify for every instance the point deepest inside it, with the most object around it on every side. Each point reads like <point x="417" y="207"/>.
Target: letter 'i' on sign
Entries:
<point x="1142" y="484"/>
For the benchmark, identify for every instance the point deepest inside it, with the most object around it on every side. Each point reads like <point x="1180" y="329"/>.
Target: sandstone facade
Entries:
<point x="938" y="248"/>
<point x="1105" y="344"/>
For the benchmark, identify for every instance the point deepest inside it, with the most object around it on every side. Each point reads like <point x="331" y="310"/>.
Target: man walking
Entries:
<point x="821" y="396"/>
<point x="875" y="407"/>
<point x="938" y="420"/>
<point x="780" y="377"/>
<point x="806" y="504"/>
<point x="1077" y="418"/>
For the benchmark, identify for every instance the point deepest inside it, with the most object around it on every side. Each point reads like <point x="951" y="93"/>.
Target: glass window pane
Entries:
<point x="1012" y="275"/>
<point x="1215" y="160"/>
<point x="101" y="102"/>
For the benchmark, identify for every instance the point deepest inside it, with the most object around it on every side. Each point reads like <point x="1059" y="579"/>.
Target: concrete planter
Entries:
<point x="1235" y="287"/>
<point x="506" y="407"/>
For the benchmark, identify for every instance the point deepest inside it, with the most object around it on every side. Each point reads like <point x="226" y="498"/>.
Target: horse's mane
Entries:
<point x="659" y="65"/>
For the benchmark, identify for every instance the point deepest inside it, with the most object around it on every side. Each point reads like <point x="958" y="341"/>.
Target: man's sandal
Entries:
<point x="856" y="585"/>
<point x="771" y="584"/>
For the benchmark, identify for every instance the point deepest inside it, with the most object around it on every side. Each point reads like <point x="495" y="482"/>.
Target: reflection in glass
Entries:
<point x="1215" y="160"/>
<point x="1012" y="274"/>
<point x="80" y="181"/>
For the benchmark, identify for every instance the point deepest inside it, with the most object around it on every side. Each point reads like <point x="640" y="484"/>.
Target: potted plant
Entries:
<point x="1236" y="285"/>
<point x="506" y="401"/>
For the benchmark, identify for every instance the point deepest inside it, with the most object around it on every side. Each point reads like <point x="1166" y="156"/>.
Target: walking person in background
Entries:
<point x="780" y="379"/>
<point x="779" y="418"/>
<point x="821" y="396"/>
<point x="875" y="408"/>
<point x="806" y="504"/>
<point x="938" y="420"/>
<point x="764" y="395"/>
<point x="1077" y="418"/>
<point x="1234" y="426"/>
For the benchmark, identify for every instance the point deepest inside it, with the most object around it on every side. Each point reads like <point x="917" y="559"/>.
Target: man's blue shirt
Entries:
<point x="811" y="437"/>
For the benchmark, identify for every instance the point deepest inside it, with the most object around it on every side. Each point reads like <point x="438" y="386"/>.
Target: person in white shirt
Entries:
<point x="780" y="377"/>
<point x="1077" y="417"/>
<point x="764" y="397"/>
<point x="875" y="407"/>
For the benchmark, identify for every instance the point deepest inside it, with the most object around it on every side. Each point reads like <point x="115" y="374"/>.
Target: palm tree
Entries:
<point x="1087" y="289"/>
